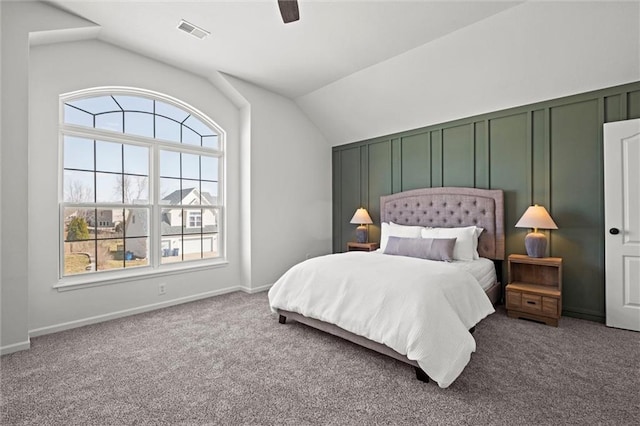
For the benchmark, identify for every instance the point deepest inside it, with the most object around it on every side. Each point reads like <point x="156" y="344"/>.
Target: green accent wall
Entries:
<point x="548" y="153"/>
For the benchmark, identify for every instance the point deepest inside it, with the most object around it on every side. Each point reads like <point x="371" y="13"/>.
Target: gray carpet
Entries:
<point x="226" y="360"/>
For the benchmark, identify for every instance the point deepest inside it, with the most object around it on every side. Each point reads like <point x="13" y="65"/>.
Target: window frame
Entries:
<point x="155" y="266"/>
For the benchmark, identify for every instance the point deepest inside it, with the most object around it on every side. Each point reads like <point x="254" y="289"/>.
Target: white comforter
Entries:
<point x="420" y="308"/>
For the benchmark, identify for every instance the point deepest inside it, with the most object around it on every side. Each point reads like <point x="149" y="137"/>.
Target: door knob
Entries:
<point x="614" y="231"/>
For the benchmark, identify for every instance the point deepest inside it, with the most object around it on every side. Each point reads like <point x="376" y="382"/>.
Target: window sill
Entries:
<point x="76" y="283"/>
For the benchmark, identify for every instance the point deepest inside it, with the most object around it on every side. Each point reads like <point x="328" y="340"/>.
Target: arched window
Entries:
<point x="141" y="183"/>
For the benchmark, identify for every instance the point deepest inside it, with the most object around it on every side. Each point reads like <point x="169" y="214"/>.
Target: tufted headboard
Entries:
<point x="451" y="207"/>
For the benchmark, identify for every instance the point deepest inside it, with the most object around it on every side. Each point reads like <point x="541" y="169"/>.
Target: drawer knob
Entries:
<point x="614" y="231"/>
<point x="530" y="302"/>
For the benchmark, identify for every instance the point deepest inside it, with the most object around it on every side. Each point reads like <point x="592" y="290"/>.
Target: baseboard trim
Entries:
<point x="256" y="289"/>
<point x="583" y="314"/>
<point x="16" y="347"/>
<point x="127" y="312"/>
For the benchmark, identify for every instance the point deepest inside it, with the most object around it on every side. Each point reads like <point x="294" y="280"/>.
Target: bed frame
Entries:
<point x="436" y="207"/>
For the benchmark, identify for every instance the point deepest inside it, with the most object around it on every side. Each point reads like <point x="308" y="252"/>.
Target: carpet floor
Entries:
<point x="226" y="361"/>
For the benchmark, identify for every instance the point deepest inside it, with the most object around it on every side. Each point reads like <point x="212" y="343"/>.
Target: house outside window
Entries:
<point x="141" y="183"/>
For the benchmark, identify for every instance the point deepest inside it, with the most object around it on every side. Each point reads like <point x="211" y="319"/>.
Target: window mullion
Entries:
<point x="155" y="237"/>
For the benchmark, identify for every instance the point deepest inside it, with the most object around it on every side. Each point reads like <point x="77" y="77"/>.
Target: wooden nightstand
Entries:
<point x="534" y="290"/>
<point x="352" y="246"/>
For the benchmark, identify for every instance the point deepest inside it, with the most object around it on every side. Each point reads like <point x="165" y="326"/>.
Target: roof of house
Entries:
<point x="177" y="196"/>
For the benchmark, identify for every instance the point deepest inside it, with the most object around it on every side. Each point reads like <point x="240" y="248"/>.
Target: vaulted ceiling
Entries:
<point x="248" y="39"/>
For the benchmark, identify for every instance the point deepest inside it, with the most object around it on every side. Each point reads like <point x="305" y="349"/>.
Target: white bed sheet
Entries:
<point x="420" y="308"/>
<point x="483" y="270"/>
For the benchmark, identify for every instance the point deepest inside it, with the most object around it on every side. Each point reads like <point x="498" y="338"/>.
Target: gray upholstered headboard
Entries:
<point x="451" y="207"/>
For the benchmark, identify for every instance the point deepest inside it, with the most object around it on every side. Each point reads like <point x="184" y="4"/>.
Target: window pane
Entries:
<point x="108" y="188"/>
<point x="136" y="160"/>
<point x="105" y="223"/>
<point x="171" y="111"/>
<point x="79" y="257"/>
<point x="209" y="168"/>
<point x="171" y="239"/>
<point x="75" y="116"/>
<point x="190" y="137"/>
<point x="136" y="223"/>
<point x="135" y="103"/>
<point x="78" y="187"/>
<point x="190" y="192"/>
<point x="210" y="246"/>
<point x="136" y="252"/>
<point x="169" y="164"/>
<point x="171" y="250"/>
<point x="136" y="189"/>
<point x="209" y="193"/>
<point x="171" y="222"/>
<point x="108" y="157"/>
<point x="110" y="254"/>
<point x="192" y="247"/>
<point x="190" y="166"/>
<point x="110" y="121"/>
<point x="210" y="142"/>
<point x="96" y="104"/>
<point x="78" y="153"/>
<point x="198" y="126"/>
<point x="138" y="123"/>
<point x="167" y="129"/>
<point x="209" y="220"/>
<point x="78" y="224"/>
<point x="170" y="191"/>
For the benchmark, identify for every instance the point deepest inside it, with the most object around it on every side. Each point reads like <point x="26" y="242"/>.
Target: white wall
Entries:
<point x="18" y="20"/>
<point x="1" y="139"/>
<point x="528" y="53"/>
<point x="290" y="174"/>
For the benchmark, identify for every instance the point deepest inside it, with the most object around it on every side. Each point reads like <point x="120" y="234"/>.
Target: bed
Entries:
<point x="381" y="301"/>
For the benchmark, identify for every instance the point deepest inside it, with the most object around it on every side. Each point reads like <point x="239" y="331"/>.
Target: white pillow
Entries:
<point x="466" y="247"/>
<point x="475" y="242"/>
<point x="394" y="230"/>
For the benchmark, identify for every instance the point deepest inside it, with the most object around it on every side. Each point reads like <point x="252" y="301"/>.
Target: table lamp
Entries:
<point x="361" y="218"/>
<point x="536" y="217"/>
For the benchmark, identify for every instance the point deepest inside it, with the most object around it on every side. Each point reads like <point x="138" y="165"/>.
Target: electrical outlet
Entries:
<point x="162" y="289"/>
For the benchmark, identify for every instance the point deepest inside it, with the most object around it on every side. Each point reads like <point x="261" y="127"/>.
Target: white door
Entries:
<point x="622" y="223"/>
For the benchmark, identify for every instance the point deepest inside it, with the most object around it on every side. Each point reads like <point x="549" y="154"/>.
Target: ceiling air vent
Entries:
<point x="194" y="30"/>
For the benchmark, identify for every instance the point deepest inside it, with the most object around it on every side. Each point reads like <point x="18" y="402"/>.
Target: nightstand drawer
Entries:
<point x="531" y="303"/>
<point x="514" y="299"/>
<point x="550" y="306"/>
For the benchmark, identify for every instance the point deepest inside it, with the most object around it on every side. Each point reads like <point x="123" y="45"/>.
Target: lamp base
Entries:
<point x="536" y="244"/>
<point x="361" y="234"/>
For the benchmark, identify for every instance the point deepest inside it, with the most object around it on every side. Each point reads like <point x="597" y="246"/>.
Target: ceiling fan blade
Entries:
<point x="289" y="10"/>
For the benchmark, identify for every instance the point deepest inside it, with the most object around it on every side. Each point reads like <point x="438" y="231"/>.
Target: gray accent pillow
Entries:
<point x="424" y="248"/>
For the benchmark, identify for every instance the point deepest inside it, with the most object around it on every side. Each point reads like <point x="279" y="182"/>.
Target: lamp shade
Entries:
<point x="536" y="217"/>
<point x="361" y="217"/>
